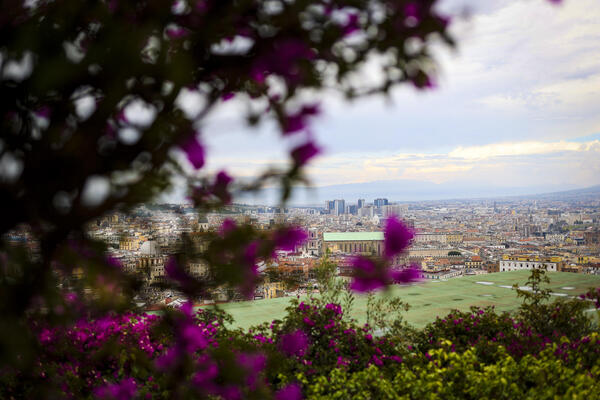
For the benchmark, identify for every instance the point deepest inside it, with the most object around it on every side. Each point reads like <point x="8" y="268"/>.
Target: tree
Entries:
<point x="72" y="76"/>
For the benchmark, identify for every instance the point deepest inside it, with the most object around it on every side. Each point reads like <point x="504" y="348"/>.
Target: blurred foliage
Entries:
<point x="73" y="74"/>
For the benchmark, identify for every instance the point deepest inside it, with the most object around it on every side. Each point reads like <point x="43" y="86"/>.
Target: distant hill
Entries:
<point x="588" y="193"/>
<point x="413" y="190"/>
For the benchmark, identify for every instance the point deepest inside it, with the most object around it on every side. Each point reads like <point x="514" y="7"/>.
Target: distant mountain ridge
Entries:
<point x="582" y="194"/>
<point x="412" y="190"/>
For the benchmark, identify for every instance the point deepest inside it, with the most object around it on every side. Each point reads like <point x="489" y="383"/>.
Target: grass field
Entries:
<point x="430" y="299"/>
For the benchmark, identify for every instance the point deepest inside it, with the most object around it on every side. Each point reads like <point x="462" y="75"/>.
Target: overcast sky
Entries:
<point x="517" y="104"/>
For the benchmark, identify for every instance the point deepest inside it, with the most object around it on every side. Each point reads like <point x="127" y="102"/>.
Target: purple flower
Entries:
<point x="367" y="275"/>
<point x="406" y="275"/>
<point x="193" y="337"/>
<point x="121" y="117"/>
<point x="335" y="308"/>
<point x="257" y="75"/>
<point x="282" y="59"/>
<point x="377" y="361"/>
<point x="250" y="253"/>
<point x="114" y="262"/>
<point x="422" y="81"/>
<point x="194" y="151"/>
<point x="219" y="188"/>
<point x="227" y="96"/>
<point x="297" y="121"/>
<point x="205" y="377"/>
<point x="412" y="10"/>
<point x="176" y="32"/>
<point x="124" y="390"/>
<point x="397" y="237"/>
<point x="295" y="343"/>
<point x="288" y="238"/>
<point x="175" y="272"/>
<point x="230" y="392"/>
<point x="251" y="270"/>
<point x="352" y="24"/>
<point x="43" y="112"/>
<point x="70" y="297"/>
<point x="168" y="359"/>
<point x="253" y="364"/>
<point x="291" y="392"/>
<point x="227" y="226"/>
<point x="187" y="309"/>
<point x="45" y="337"/>
<point x="305" y="152"/>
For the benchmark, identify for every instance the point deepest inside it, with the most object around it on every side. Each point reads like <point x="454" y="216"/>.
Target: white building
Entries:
<point x="521" y="262"/>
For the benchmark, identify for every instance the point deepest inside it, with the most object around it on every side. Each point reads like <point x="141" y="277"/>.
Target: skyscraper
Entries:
<point x="380" y="202"/>
<point x="361" y="203"/>
<point x="339" y="207"/>
<point x="329" y="206"/>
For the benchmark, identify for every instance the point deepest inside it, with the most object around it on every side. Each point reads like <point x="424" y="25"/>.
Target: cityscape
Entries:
<point x="452" y="239"/>
<point x="300" y="199"/>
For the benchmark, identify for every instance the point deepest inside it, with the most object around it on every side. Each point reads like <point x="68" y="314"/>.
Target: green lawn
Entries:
<point x="430" y="299"/>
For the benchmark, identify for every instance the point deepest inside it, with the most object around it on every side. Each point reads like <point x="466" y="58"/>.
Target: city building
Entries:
<point x="520" y="262"/>
<point x="394" y="209"/>
<point x="380" y="202"/>
<point x="591" y="238"/>
<point x="313" y="244"/>
<point x="329" y="206"/>
<point x="339" y="207"/>
<point x="272" y="290"/>
<point x="353" y="242"/>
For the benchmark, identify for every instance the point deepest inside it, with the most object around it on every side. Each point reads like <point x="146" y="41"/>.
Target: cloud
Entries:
<point x="518" y="149"/>
<point x="524" y="162"/>
<point x="512" y="101"/>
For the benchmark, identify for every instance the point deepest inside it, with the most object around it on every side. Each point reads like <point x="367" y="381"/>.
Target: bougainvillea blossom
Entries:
<point x="367" y="275"/>
<point x="194" y="151"/>
<point x="124" y="390"/>
<point x="406" y="275"/>
<point x="250" y="270"/>
<point x="220" y="187"/>
<point x="299" y="120"/>
<point x="295" y="343"/>
<point x="397" y="237"/>
<point x="290" y="392"/>
<point x="303" y="153"/>
<point x="289" y="238"/>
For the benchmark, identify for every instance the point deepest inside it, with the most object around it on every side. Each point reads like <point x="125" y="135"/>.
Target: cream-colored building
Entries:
<point x="272" y="290"/>
<point x="366" y="243"/>
<point x="131" y="243"/>
<point x="524" y="262"/>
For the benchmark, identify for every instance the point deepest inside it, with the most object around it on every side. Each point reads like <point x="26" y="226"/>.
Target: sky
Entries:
<point x="516" y="104"/>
